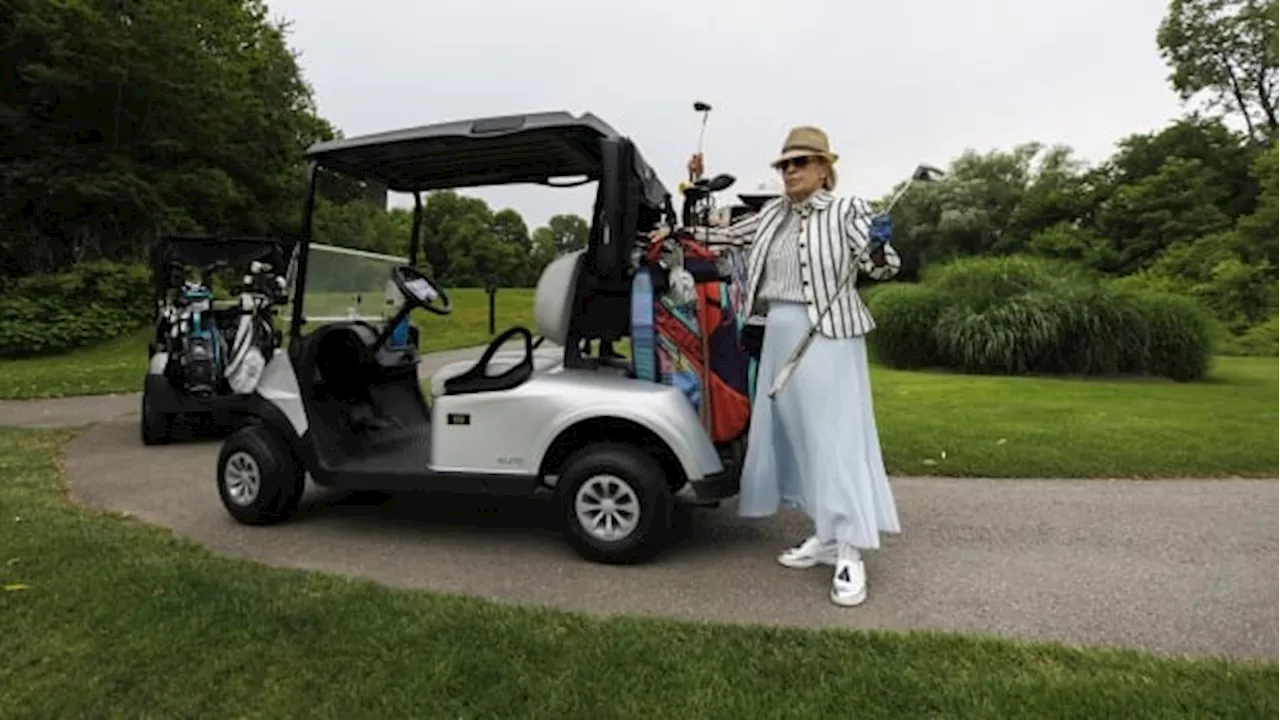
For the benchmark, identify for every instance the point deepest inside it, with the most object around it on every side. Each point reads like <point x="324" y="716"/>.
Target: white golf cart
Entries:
<point x="344" y="404"/>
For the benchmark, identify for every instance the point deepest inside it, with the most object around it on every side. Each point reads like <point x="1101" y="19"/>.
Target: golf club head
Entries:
<point x="701" y="107"/>
<point x="927" y="173"/>
<point x="720" y="182"/>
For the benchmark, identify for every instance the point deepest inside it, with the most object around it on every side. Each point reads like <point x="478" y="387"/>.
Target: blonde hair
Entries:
<point x="829" y="183"/>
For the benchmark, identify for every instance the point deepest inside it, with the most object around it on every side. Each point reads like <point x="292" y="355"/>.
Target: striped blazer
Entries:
<point x="834" y="232"/>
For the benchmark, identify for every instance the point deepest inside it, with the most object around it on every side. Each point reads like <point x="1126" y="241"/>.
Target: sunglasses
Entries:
<point x="798" y="163"/>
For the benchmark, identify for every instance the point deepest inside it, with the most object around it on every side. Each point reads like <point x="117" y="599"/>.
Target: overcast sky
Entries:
<point x="893" y="83"/>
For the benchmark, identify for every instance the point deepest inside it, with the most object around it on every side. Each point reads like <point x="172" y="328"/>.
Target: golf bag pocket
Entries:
<point x="199" y="365"/>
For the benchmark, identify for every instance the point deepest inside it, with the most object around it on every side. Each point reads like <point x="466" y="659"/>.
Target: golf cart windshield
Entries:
<point x="345" y="284"/>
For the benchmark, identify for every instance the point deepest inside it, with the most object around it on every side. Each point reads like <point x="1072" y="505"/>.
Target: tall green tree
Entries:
<point x="1225" y="51"/>
<point x="121" y="120"/>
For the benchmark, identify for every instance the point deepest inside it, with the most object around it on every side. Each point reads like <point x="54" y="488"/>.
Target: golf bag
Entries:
<point x="255" y="337"/>
<point x="685" y="332"/>
<point x="196" y="339"/>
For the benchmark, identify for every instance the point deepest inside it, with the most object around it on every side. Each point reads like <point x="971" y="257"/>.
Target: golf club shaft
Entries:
<point x="702" y="133"/>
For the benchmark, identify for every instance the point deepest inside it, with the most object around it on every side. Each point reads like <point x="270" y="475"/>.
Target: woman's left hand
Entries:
<point x="881" y="228"/>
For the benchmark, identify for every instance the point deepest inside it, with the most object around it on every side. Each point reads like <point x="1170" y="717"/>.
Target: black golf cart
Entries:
<point x="344" y="403"/>
<point x="206" y="352"/>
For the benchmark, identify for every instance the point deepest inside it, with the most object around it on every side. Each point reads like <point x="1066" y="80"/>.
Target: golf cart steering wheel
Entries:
<point x="419" y="291"/>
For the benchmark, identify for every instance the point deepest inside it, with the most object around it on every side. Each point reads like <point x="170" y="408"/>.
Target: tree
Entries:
<point x="994" y="203"/>
<point x="570" y="232"/>
<point x="1226" y="156"/>
<point x="1260" y="229"/>
<point x="1225" y="50"/>
<point x="1179" y="203"/>
<point x="121" y="121"/>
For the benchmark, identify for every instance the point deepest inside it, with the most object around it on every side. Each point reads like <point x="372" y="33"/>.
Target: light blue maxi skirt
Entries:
<point x="815" y="447"/>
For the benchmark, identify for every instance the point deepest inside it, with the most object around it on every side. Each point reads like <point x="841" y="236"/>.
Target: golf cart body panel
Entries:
<point x="279" y="388"/>
<point x="512" y="430"/>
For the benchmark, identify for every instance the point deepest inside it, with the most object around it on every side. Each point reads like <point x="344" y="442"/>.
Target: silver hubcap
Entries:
<point x="607" y="507"/>
<point x="242" y="478"/>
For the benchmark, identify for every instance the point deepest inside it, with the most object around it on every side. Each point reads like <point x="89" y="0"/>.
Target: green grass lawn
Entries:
<point x="103" y="617"/>
<point x="1049" y="427"/>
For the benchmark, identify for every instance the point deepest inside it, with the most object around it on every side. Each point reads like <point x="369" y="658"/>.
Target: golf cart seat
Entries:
<point x="552" y="304"/>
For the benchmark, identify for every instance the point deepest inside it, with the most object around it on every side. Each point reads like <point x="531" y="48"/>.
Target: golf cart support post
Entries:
<point x="511" y="423"/>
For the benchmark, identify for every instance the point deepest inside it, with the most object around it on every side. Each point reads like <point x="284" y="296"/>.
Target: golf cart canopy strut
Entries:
<point x="530" y="148"/>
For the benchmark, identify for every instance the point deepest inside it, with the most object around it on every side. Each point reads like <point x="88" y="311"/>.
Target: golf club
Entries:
<point x="705" y="109"/>
<point x="922" y="173"/>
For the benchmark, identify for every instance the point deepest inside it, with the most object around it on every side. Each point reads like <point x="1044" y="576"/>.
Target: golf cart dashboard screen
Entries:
<point x="421" y="289"/>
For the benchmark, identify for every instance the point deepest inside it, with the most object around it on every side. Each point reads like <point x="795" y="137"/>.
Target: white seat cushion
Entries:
<point x="544" y="359"/>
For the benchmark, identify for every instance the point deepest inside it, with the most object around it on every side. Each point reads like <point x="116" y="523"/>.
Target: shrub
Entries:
<point x="1261" y="340"/>
<point x="905" y="316"/>
<point x="90" y="303"/>
<point x="1175" y="339"/>
<point x="1023" y="315"/>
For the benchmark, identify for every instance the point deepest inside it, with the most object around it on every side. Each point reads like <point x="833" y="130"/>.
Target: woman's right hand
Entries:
<point x="659" y="235"/>
<point x="695" y="166"/>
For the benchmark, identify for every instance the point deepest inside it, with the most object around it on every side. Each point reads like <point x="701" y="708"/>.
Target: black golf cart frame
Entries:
<point x="629" y="199"/>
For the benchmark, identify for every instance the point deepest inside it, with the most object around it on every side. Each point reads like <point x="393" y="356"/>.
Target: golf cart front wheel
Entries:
<point x="617" y="504"/>
<point x="259" y="481"/>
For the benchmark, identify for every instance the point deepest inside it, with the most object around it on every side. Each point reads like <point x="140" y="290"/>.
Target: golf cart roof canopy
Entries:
<point x="201" y="251"/>
<point x="532" y="148"/>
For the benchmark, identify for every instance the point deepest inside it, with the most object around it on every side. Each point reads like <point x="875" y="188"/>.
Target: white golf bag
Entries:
<point x="254" y="339"/>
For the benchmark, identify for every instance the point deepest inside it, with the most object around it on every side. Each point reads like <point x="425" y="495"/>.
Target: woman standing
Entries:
<point x="815" y="445"/>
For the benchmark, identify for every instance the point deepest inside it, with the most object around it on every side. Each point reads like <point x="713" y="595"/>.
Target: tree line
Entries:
<point x="126" y="120"/>
<point x="122" y="121"/>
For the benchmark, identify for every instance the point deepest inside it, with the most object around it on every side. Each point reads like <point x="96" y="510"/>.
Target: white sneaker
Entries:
<point x="849" y="583"/>
<point x="809" y="553"/>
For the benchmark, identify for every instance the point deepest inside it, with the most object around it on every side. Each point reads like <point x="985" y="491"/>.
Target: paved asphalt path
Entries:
<point x="1177" y="567"/>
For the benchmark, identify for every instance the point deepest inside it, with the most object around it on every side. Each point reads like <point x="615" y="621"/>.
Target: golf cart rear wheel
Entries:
<point x="259" y="481"/>
<point x="616" y="503"/>
<point x="156" y="427"/>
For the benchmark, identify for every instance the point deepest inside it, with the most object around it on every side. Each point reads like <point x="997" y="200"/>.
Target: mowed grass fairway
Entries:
<point x="967" y="425"/>
<point x="931" y="423"/>
<point x="109" y="618"/>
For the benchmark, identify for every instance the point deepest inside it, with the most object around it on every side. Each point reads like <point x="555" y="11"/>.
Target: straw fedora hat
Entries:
<point x="808" y="141"/>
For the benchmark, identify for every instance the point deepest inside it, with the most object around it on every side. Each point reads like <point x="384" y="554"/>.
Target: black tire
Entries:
<point x="155" y="427"/>
<point x="639" y="480"/>
<point x="281" y="480"/>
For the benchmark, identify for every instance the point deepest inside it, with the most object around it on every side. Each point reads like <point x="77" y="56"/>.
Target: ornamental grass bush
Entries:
<point x="1018" y="315"/>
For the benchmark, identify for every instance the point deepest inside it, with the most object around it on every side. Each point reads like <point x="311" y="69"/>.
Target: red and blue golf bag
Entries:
<point x="686" y="324"/>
